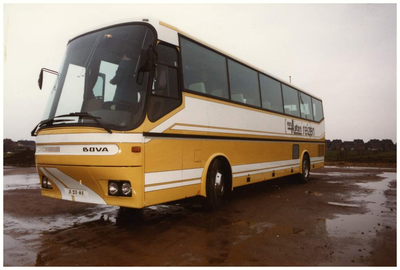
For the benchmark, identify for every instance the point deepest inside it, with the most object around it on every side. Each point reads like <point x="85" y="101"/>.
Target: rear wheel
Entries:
<point x="216" y="184"/>
<point x="305" y="166"/>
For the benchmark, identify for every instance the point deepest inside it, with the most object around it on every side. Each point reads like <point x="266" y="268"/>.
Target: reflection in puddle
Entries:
<point x="25" y="181"/>
<point x="365" y="226"/>
<point x="344" y="204"/>
<point x="20" y="235"/>
<point x="263" y="228"/>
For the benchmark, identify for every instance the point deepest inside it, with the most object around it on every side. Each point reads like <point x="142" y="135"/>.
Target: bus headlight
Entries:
<point x="46" y="183"/>
<point x="49" y="185"/>
<point x="126" y="189"/>
<point x="119" y="188"/>
<point x="113" y="188"/>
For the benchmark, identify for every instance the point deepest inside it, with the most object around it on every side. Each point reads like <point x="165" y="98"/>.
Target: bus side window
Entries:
<point x="271" y="94"/>
<point x="317" y="110"/>
<point x="165" y="95"/>
<point x="244" y="84"/>
<point x="290" y="100"/>
<point x="305" y="106"/>
<point x="204" y="71"/>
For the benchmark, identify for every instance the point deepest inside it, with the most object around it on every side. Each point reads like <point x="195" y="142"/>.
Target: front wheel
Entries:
<point x="215" y="185"/>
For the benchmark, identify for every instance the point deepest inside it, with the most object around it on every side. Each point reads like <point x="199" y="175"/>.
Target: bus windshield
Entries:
<point x="98" y="78"/>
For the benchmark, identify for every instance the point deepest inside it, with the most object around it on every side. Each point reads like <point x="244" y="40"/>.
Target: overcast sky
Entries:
<point x="342" y="53"/>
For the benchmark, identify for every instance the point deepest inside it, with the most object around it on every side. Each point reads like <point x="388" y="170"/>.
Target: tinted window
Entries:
<point x="165" y="82"/>
<point x="165" y="93"/>
<point x="317" y="109"/>
<point x="244" y="84"/>
<point x="290" y="100"/>
<point x="204" y="71"/>
<point x="271" y="94"/>
<point x="305" y="106"/>
<point x="167" y="55"/>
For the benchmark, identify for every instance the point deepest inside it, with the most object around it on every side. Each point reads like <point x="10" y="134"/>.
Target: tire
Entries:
<point x="305" y="166"/>
<point x="216" y="184"/>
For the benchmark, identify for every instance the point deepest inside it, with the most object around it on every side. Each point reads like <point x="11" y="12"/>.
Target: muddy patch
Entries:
<point x="342" y="217"/>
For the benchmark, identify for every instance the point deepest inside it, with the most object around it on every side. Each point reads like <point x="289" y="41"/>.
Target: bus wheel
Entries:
<point x="215" y="185"/>
<point x="305" y="166"/>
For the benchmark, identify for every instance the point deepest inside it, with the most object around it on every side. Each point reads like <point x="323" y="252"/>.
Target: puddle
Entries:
<point x="341" y="174"/>
<point x="351" y="167"/>
<point x="363" y="228"/>
<point x="344" y="204"/>
<point x="263" y="228"/>
<point x="314" y="193"/>
<point x="21" y="235"/>
<point x="334" y="182"/>
<point x="21" y="181"/>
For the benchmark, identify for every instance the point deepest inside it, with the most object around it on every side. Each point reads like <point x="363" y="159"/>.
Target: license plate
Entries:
<point x="76" y="192"/>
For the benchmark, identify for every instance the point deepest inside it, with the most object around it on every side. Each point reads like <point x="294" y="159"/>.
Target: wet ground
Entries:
<point x="342" y="217"/>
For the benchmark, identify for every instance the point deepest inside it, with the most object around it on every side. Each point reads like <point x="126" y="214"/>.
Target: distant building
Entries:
<point x="27" y="144"/>
<point x="349" y="146"/>
<point x="328" y="145"/>
<point x="11" y="147"/>
<point x="359" y="145"/>
<point x="388" y="145"/>
<point x="375" y="145"/>
<point x="337" y="145"/>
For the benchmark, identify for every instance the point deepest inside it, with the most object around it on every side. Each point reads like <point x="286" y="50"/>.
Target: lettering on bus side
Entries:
<point x="95" y="149"/>
<point x="298" y="128"/>
<point x="308" y="131"/>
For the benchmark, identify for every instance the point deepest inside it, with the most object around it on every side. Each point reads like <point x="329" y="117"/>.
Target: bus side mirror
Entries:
<point x="40" y="80"/>
<point x="145" y="63"/>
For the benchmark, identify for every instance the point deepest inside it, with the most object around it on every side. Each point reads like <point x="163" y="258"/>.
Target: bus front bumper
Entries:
<point x="91" y="184"/>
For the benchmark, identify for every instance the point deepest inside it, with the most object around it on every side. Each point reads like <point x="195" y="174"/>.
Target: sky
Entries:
<point x="344" y="54"/>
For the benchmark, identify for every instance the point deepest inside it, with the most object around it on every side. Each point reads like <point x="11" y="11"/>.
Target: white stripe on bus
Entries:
<point x="91" y="138"/>
<point x="162" y="180"/>
<point x="172" y="176"/>
<point x="172" y="185"/>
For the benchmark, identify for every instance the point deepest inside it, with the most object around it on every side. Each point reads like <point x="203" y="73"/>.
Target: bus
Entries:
<point x="142" y="114"/>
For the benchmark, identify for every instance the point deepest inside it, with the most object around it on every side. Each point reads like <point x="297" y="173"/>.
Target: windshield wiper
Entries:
<point x="88" y="115"/>
<point x="51" y="121"/>
<point x="48" y="122"/>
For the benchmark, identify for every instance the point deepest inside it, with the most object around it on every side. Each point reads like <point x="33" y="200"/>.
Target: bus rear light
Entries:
<point x="119" y="188"/>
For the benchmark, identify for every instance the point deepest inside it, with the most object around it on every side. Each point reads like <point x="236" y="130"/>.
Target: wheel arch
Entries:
<point x="304" y="155"/>
<point x="226" y="163"/>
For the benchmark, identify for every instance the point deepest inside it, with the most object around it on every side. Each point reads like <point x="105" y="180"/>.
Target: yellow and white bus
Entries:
<point x="142" y="113"/>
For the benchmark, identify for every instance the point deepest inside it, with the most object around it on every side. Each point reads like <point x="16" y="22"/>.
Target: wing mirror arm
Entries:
<point x="40" y="80"/>
<point x="147" y="59"/>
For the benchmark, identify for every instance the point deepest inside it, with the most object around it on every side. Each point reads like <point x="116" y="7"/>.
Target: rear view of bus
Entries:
<point x="132" y="121"/>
